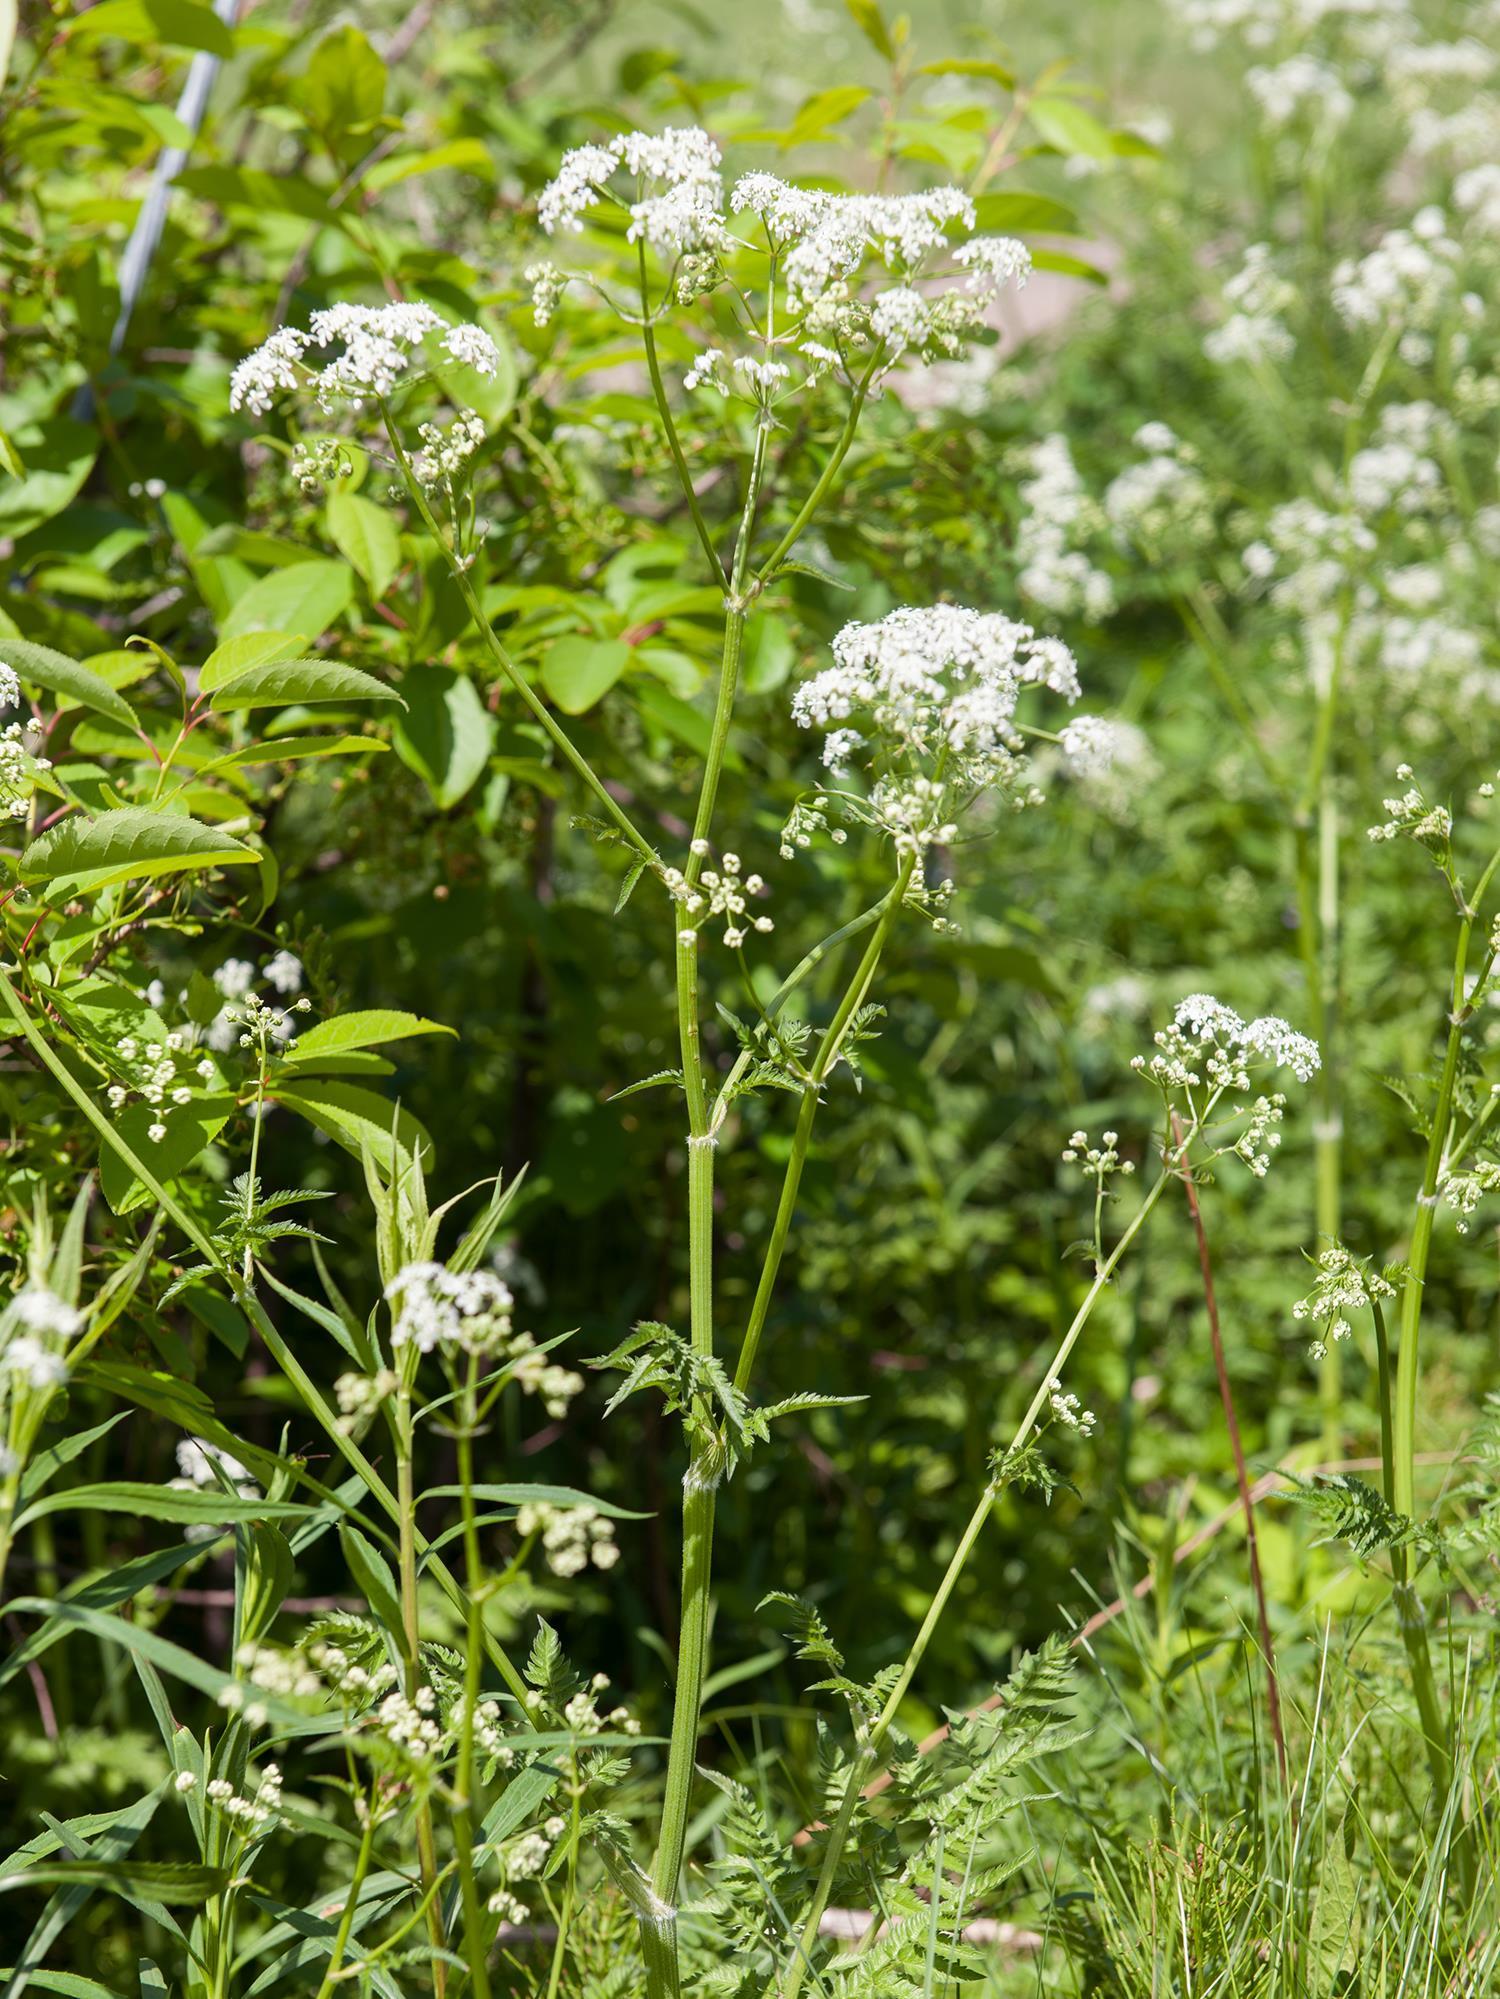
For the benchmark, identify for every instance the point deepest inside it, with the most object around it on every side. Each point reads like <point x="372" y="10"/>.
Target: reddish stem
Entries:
<point x="1247" y="1503"/>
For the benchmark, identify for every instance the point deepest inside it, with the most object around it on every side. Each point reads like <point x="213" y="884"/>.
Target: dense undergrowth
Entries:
<point x="749" y="1056"/>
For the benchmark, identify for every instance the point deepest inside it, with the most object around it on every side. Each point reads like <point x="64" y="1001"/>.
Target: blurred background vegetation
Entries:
<point x="935" y="1262"/>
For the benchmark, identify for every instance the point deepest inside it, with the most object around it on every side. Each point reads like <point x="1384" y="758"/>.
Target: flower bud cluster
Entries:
<point x="359" y="1396"/>
<point x="444" y="453"/>
<point x="19" y="768"/>
<point x="1411" y="816"/>
<point x="720" y="891"/>
<point x="1097" y="1162"/>
<point x="572" y="1536"/>
<point x="248" y="1815"/>
<point x="1067" y="1410"/>
<point x="1344" y="1285"/>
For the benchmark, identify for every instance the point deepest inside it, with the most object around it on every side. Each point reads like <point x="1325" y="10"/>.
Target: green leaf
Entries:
<point x="446" y="734"/>
<point x="1070" y="267"/>
<point x="822" y="111"/>
<point x="40" y="666"/>
<point x="82" y="854"/>
<point x="547" y="1495"/>
<point x="578" y="671"/>
<point x="298" y="683"/>
<point x="1017" y="211"/>
<point x="871" y="24"/>
<point x="164" y="1881"/>
<point x="306" y="598"/>
<point x="183" y="24"/>
<point x="365" y="535"/>
<point x="191" y="1128"/>
<point x="239" y="655"/>
<point x="993" y="72"/>
<point x="356" y="1118"/>
<point x="372" y="1577"/>
<point x="344" y="86"/>
<point x="463" y="156"/>
<point x="58" y="455"/>
<point x="1070" y="128"/>
<point x="161" y="1502"/>
<point x="370" y="1029"/>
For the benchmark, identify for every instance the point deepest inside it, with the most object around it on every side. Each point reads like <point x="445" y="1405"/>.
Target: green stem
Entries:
<point x="807" y="1111"/>
<point x="346" y="1920"/>
<point x="1408" y="1604"/>
<point x="865" y="1761"/>
<point x="574" y="756"/>
<point x="669" y="427"/>
<point x="475" y="1944"/>
<point x="411" y="1641"/>
<point x="659" y="1932"/>
<point x="829" y="473"/>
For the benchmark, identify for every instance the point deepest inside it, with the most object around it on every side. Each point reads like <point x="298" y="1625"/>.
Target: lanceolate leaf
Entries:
<point x="370" y="1029"/>
<point x="84" y="854"/>
<point x="161" y="1502"/>
<point x="55" y="673"/>
<point x="298" y="682"/>
<point x="164" y="1881"/>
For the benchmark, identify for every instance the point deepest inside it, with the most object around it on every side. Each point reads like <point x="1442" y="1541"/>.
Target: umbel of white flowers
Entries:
<point x="676" y="206"/>
<point x="926" y="700"/>
<point x="378" y="346"/>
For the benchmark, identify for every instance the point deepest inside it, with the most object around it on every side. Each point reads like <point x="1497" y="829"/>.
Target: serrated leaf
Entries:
<point x="647" y="1083"/>
<point x="40" y="666"/>
<point x="298" y="683"/>
<point x="239" y="655"/>
<point x="368" y="1029"/>
<point x="358" y="1119"/>
<point x="85" y="854"/>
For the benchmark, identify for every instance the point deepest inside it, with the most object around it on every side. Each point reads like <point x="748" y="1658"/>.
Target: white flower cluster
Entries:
<point x="1067" y="1410"/>
<point x="687" y="212"/>
<point x="1411" y="816"/>
<point x="1476" y="196"/>
<point x="1409" y="279"/>
<point x="935" y="692"/>
<point x="717" y="891"/>
<point x="1255" y="333"/>
<point x="35" y="1328"/>
<point x="1209" y="1047"/>
<point x="821" y="241"/>
<point x="279" y="1670"/>
<point x="19" y="768"/>
<point x="572" y="1536"/>
<point x="445" y="453"/>
<point x="1303" y="91"/>
<point x="470" y="1312"/>
<point x="246" y="1814"/>
<point x="1344" y="1285"/>
<point x="465" y="1311"/>
<point x="198" y="1466"/>
<point x="1394" y="470"/>
<point x="1111" y="760"/>
<point x="359" y="1396"/>
<point x="355" y="1685"/>
<point x="1464" y="1191"/>
<point x="1163" y="501"/>
<point x="379" y="347"/>
<point x="410" y="1726"/>
<point x="1052" y="571"/>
